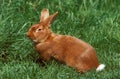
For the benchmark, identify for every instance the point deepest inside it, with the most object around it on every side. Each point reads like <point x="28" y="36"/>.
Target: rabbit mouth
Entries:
<point x="35" y="40"/>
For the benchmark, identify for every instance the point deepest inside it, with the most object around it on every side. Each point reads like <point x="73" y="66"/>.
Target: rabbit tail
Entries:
<point x="100" y="67"/>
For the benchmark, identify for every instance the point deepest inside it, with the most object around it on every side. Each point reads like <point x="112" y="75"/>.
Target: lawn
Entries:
<point x="94" y="21"/>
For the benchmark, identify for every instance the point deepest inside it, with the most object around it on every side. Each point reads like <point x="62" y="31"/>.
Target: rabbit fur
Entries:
<point x="64" y="48"/>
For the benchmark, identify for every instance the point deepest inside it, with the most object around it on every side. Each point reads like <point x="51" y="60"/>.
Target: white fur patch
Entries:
<point x="35" y="40"/>
<point x="100" y="67"/>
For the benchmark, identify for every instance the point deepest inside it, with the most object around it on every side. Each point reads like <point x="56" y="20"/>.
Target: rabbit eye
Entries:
<point x="39" y="29"/>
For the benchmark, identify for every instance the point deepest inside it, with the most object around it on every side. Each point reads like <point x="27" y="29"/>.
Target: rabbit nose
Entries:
<point x="27" y="34"/>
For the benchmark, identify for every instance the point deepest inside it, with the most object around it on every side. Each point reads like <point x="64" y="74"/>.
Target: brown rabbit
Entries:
<point x="70" y="50"/>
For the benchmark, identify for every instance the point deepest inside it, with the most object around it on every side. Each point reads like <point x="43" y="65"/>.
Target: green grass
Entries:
<point x="94" y="21"/>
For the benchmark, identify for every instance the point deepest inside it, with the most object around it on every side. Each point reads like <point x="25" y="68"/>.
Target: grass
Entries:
<point x="94" y="21"/>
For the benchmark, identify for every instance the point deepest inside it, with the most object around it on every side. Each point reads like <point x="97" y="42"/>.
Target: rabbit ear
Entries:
<point x="44" y="14"/>
<point x="51" y="18"/>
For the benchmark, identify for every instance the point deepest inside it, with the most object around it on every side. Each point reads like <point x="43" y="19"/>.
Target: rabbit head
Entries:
<point x="39" y="32"/>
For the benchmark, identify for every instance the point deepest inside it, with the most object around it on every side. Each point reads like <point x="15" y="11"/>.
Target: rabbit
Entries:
<point x="64" y="48"/>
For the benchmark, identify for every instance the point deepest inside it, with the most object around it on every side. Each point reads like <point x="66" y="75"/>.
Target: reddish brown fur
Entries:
<point x="70" y="50"/>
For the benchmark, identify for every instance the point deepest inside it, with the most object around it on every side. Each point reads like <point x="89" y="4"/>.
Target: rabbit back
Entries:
<point x="77" y="53"/>
<point x="72" y="51"/>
